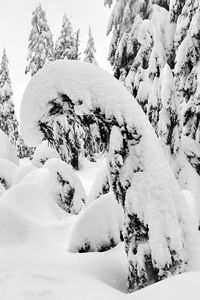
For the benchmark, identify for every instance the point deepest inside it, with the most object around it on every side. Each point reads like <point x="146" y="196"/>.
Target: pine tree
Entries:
<point x="40" y="48"/>
<point x="90" y="49"/>
<point x="8" y="121"/>
<point x="66" y="45"/>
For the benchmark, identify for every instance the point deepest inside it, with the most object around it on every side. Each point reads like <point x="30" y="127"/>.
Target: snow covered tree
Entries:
<point x="40" y="48"/>
<point x="8" y="121"/>
<point x="67" y="44"/>
<point x="124" y="24"/>
<point x="157" y="229"/>
<point x="169" y="124"/>
<point x="187" y="66"/>
<point x="90" y="50"/>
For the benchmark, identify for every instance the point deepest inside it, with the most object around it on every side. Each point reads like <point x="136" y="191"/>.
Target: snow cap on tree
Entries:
<point x="90" y="49"/>
<point x="40" y="48"/>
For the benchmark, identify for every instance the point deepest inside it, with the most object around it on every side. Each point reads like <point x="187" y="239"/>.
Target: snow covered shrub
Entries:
<point x="66" y="186"/>
<point x="42" y="153"/>
<point x="7" y="172"/>
<point x="157" y="229"/>
<point x="98" y="227"/>
<point x="7" y="151"/>
<point x="101" y="184"/>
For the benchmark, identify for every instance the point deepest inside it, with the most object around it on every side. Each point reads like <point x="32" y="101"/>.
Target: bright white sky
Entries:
<point x="15" y="26"/>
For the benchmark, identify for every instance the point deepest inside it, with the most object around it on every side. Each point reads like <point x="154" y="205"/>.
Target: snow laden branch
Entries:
<point x="157" y="230"/>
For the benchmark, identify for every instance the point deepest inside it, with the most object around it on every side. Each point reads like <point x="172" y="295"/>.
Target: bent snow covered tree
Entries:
<point x="157" y="226"/>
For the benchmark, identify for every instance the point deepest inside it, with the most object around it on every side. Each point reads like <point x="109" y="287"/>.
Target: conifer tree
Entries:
<point x="40" y="48"/>
<point x="8" y="121"/>
<point x="90" y="49"/>
<point x="66" y="45"/>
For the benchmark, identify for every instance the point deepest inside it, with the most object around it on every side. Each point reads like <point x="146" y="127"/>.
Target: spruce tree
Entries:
<point x="66" y="45"/>
<point x="40" y="48"/>
<point x="90" y="49"/>
<point x="8" y="121"/>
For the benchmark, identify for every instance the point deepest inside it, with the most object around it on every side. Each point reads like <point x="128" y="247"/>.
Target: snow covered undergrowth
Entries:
<point x="35" y="262"/>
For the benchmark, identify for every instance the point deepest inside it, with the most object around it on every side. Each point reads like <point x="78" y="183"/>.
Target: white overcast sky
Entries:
<point x="15" y="26"/>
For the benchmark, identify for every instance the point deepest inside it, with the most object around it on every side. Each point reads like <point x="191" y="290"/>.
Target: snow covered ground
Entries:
<point x="35" y="262"/>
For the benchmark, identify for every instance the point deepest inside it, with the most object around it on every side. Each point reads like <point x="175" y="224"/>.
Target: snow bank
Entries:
<point x="98" y="227"/>
<point x="7" y="151"/>
<point x="8" y="171"/>
<point x="66" y="186"/>
<point x="33" y="202"/>
<point x="42" y="153"/>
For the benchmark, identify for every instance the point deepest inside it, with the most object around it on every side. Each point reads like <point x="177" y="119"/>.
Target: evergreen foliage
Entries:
<point x="40" y="47"/>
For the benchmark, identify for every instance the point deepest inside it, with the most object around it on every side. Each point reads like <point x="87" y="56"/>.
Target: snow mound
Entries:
<point x="66" y="186"/>
<point x="7" y="172"/>
<point x="42" y="153"/>
<point x="22" y="172"/>
<point x="98" y="227"/>
<point x="14" y="228"/>
<point x="7" y="151"/>
<point x="34" y="202"/>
